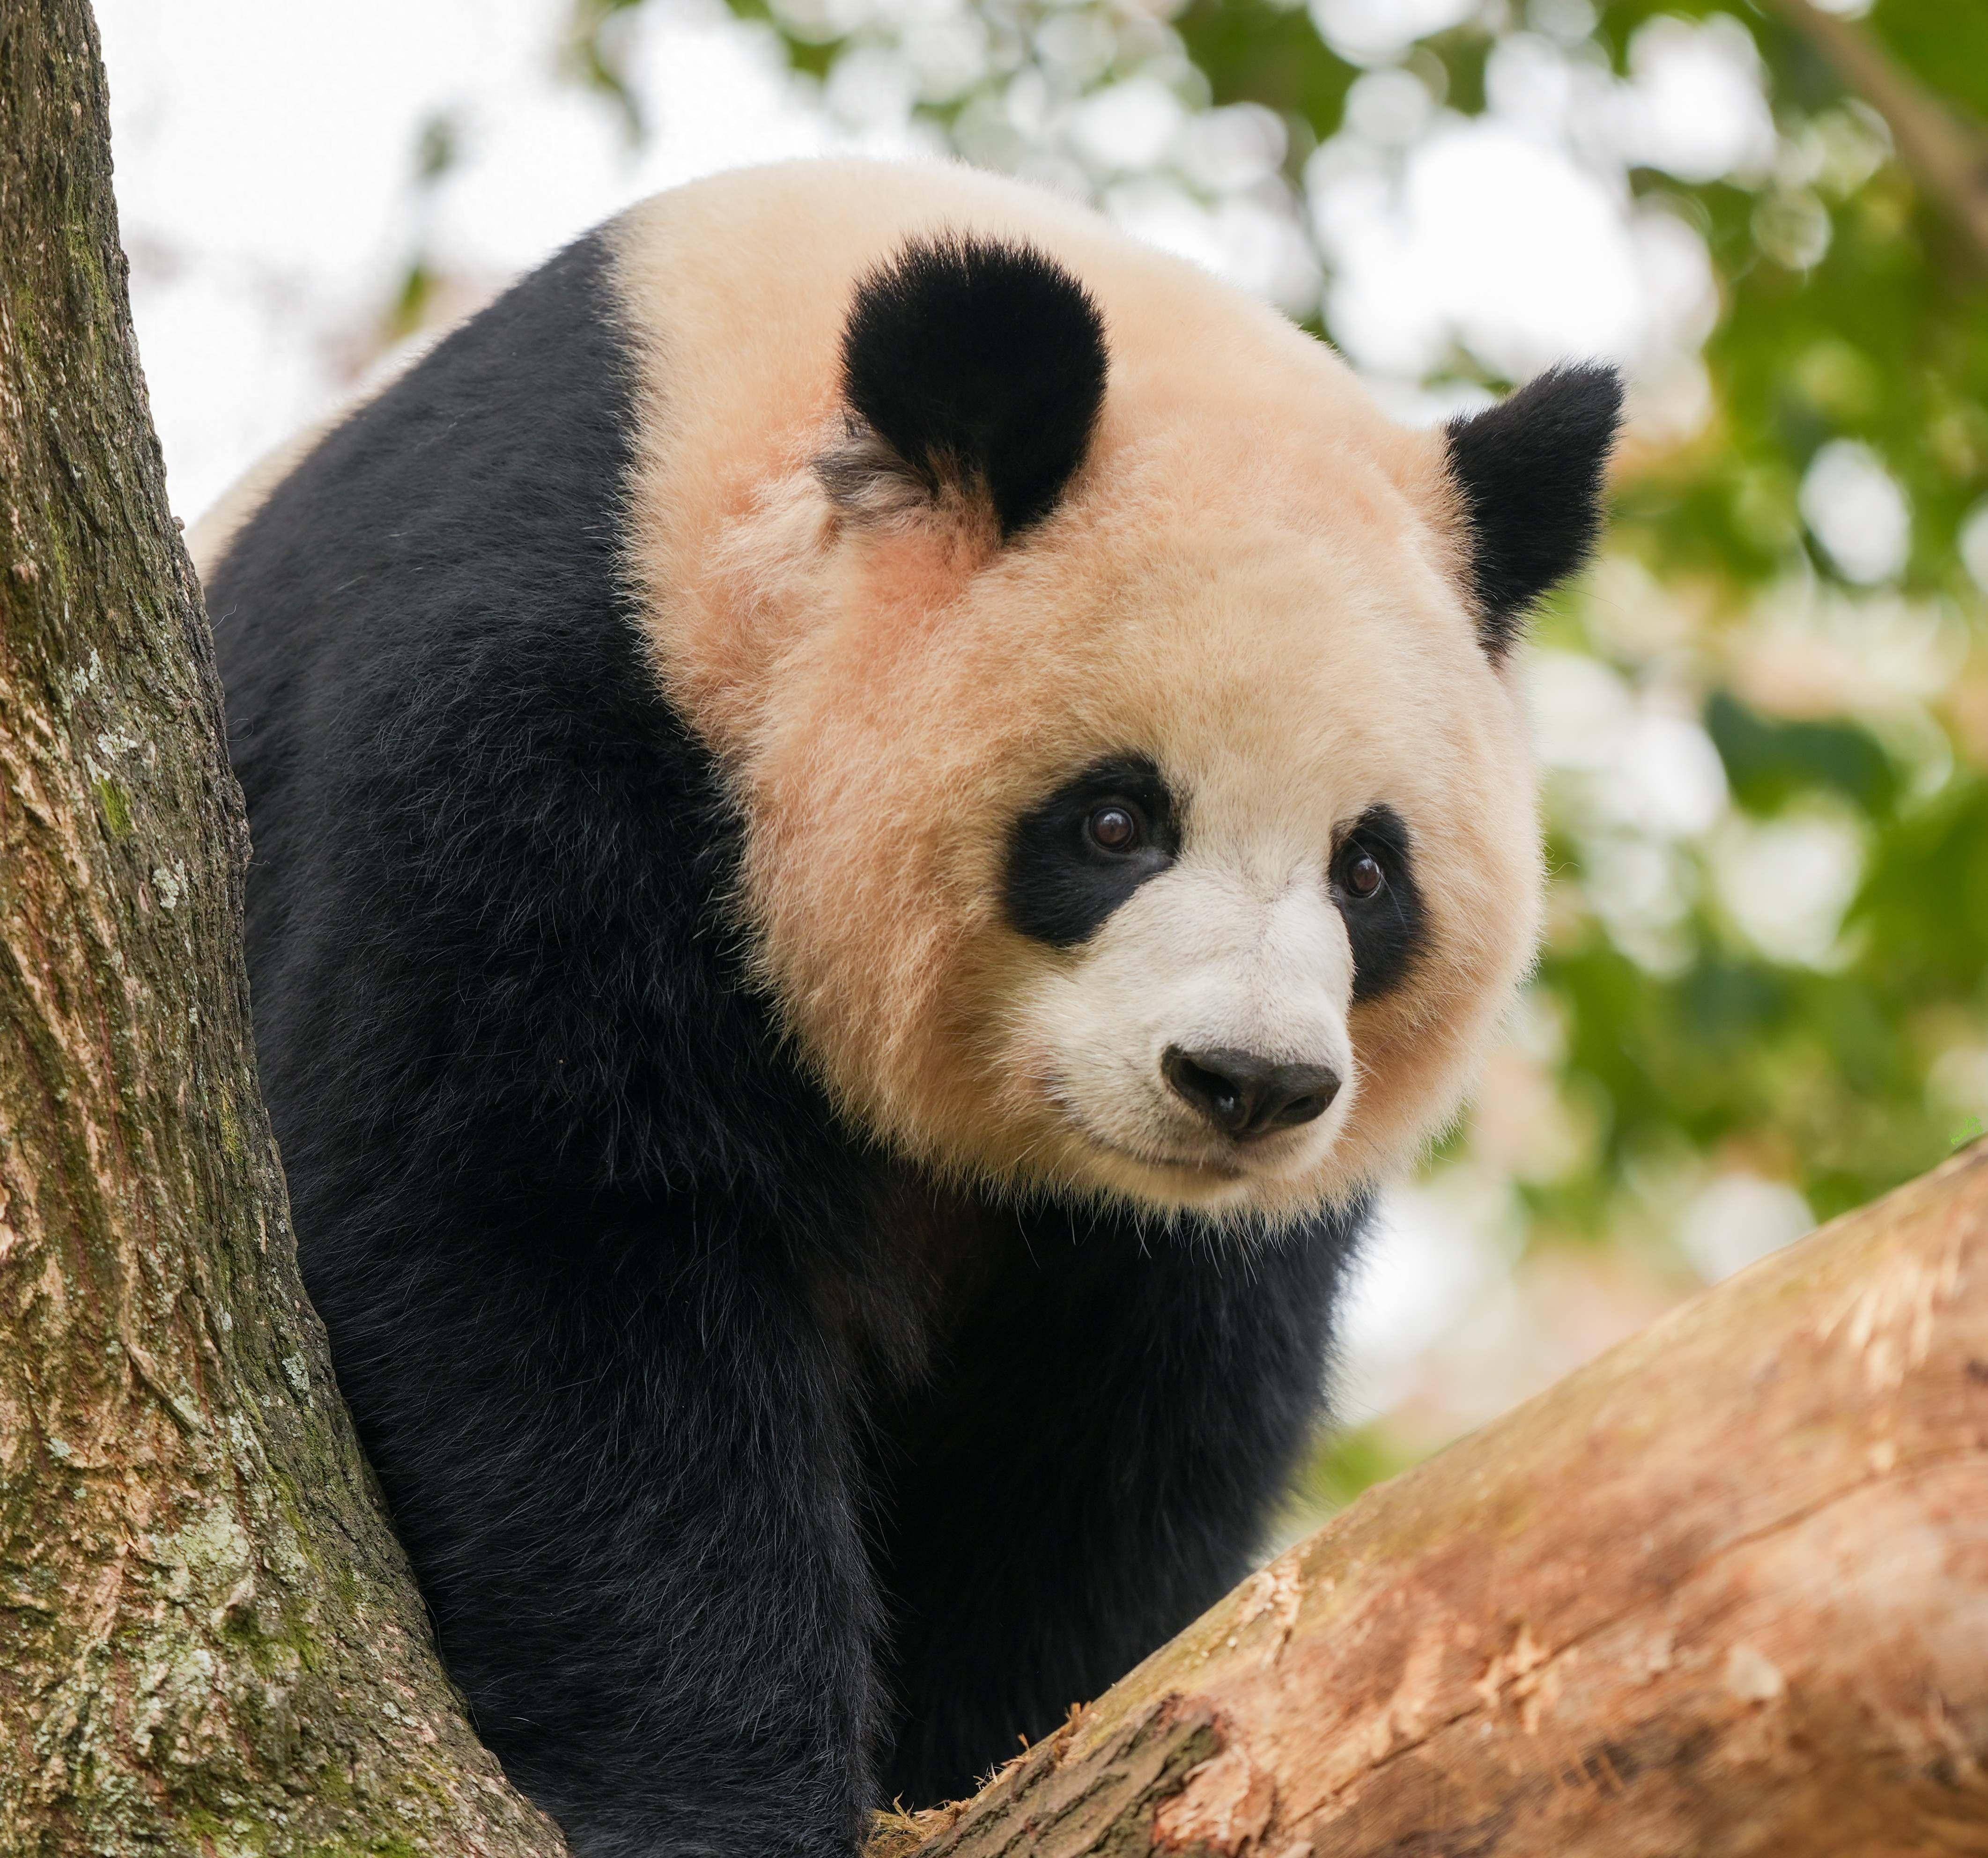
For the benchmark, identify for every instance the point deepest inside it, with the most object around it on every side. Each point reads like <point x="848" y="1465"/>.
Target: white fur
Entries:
<point x="1238" y="947"/>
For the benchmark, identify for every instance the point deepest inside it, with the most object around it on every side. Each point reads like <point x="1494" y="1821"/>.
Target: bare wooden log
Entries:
<point x="1724" y="1591"/>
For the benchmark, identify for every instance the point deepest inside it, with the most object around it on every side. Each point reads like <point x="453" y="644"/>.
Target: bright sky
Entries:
<point x="264" y="161"/>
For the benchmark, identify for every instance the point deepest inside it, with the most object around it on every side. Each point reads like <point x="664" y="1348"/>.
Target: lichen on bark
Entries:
<point x="209" y="1640"/>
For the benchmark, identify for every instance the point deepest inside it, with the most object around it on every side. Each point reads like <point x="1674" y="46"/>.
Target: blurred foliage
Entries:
<point x="1852" y="311"/>
<point x="1830" y="1074"/>
<point x="1343" y="1467"/>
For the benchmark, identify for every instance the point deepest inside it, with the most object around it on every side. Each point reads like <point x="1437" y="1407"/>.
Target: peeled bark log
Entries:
<point x="209" y="1640"/>
<point x="1724" y="1591"/>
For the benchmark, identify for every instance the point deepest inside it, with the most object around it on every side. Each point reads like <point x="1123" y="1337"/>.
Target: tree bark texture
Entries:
<point x="1723" y="1591"/>
<point x="209" y="1640"/>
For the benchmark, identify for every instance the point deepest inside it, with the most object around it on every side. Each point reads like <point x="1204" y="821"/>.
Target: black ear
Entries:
<point x="1529" y="472"/>
<point x="977" y="364"/>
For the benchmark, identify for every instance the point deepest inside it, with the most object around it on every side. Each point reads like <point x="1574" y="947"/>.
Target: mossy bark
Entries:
<point x="209" y="1640"/>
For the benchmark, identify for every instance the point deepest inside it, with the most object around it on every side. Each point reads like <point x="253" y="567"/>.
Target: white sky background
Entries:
<point x="266" y="156"/>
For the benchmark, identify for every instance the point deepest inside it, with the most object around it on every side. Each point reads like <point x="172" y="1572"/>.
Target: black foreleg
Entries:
<point x="1106" y="1437"/>
<point x="630" y="1510"/>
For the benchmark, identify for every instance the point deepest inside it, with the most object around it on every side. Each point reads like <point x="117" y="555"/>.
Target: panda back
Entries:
<point x="486" y="932"/>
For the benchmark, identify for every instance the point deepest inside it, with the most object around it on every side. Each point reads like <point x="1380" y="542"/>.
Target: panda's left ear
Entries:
<point x="973" y="367"/>
<point x="1529" y="473"/>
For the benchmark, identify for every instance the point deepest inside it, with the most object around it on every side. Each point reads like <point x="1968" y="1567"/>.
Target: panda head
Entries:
<point x="1137" y="799"/>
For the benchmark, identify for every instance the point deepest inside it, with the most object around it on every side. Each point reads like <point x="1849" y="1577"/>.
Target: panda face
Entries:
<point x="1057" y="846"/>
<point x="1269" y="877"/>
<point x="1137" y="803"/>
<point x="1202" y="1029"/>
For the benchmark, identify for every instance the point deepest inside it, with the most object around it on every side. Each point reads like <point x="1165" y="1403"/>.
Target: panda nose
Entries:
<point x="1246" y="1096"/>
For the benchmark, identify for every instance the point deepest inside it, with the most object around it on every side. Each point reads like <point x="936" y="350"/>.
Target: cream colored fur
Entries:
<point x="1253" y="580"/>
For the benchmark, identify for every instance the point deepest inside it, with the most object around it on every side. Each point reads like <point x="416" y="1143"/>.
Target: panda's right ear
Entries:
<point x="1529" y="474"/>
<point x="972" y="369"/>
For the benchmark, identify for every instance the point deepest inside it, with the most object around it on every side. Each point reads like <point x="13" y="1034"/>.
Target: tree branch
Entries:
<point x="1947" y="156"/>
<point x="1724" y="1591"/>
<point x="209" y="1639"/>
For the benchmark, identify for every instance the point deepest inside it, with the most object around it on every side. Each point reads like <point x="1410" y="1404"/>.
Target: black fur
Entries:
<point x="742" y="1470"/>
<point x="1061" y="883"/>
<point x="1389" y="930"/>
<point x="1530" y="471"/>
<point x="1088" y="1471"/>
<point x="1062" y="886"/>
<point x="979" y="363"/>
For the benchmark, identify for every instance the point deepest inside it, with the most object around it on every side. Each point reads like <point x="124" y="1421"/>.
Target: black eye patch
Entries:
<point x="1386" y="924"/>
<point x="1072" y="859"/>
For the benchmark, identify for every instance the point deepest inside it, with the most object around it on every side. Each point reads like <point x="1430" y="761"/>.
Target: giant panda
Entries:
<point x="876" y="813"/>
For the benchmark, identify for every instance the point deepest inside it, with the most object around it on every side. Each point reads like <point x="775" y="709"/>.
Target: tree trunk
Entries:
<point x="209" y="1640"/>
<point x="1723" y="1591"/>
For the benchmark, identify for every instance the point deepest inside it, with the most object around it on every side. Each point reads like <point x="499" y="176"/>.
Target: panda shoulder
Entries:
<point x="213" y="534"/>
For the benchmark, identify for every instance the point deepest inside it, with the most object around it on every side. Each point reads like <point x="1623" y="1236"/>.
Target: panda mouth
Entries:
<point x="1188" y="1165"/>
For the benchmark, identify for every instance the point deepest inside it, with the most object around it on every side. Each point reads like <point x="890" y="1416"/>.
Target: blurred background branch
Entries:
<point x="1948" y="156"/>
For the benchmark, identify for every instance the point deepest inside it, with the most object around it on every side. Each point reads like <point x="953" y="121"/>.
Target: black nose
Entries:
<point x="1246" y="1096"/>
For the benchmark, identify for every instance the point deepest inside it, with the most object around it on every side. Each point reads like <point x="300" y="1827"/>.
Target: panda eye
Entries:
<point x="1360" y="874"/>
<point x="1114" y="828"/>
